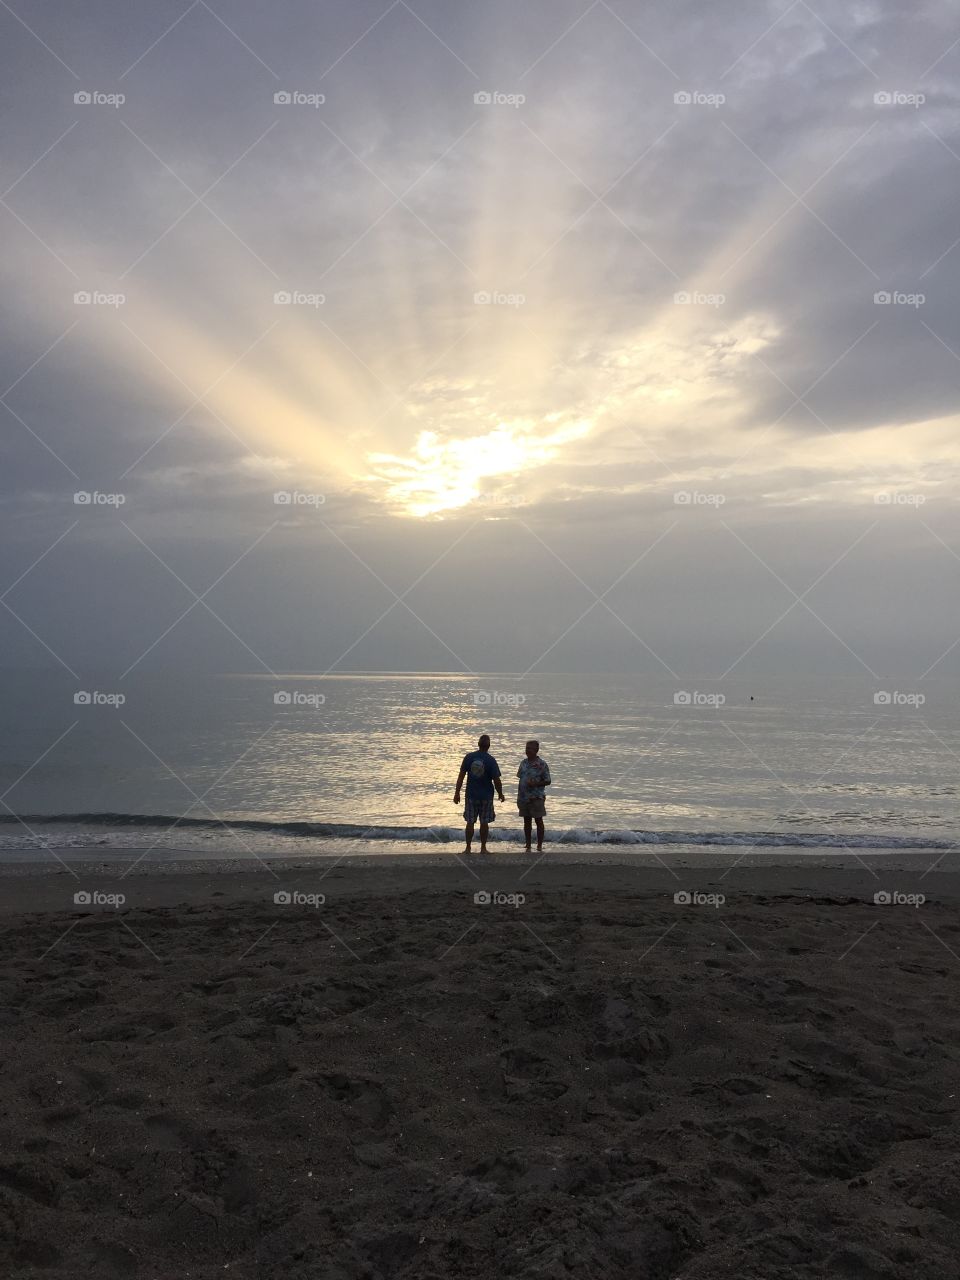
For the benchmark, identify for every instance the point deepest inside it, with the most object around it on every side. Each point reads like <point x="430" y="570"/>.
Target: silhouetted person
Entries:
<point x="482" y="774"/>
<point x="534" y="775"/>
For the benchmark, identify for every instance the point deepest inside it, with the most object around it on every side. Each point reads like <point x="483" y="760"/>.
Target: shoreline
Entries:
<point x="31" y="887"/>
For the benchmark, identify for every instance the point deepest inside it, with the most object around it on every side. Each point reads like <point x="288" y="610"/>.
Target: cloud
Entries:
<point x="482" y="315"/>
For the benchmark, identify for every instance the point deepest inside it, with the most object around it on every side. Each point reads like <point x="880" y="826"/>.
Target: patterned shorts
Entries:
<point x="478" y="810"/>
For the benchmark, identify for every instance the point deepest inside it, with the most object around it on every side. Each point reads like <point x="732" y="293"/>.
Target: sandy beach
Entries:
<point x="407" y="1082"/>
<point x="432" y="426"/>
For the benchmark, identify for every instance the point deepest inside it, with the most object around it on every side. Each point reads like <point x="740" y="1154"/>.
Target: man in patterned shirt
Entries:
<point x="534" y="775"/>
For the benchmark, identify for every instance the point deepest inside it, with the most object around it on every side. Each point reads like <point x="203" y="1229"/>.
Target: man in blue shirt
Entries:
<point x="482" y="774"/>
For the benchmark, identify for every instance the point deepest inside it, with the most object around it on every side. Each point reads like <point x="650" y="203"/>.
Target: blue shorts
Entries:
<point x="479" y="810"/>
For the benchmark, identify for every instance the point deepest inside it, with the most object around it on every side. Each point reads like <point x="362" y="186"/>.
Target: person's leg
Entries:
<point x="539" y="835"/>
<point x="484" y="828"/>
<point x="527" y="830"/>
<point x="469" y="836"/>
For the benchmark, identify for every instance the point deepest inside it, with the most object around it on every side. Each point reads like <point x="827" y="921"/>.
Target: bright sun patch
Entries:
<point x="445" y="474"/>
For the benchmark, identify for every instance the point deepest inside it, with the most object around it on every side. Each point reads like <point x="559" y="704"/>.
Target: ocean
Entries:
<point x="229" y="765"/>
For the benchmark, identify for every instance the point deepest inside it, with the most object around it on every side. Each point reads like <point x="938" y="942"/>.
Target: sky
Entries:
<point x="506" y="336"/>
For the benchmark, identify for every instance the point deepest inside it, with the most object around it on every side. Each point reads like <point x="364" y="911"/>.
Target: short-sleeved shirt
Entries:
<point x="534" y="775"/>
<point x="481" y="769"/>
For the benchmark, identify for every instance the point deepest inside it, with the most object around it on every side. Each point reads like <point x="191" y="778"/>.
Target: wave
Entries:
<point x="447" y="835"/>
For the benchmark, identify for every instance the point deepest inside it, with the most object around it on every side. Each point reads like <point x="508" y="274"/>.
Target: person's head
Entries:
<point x="532" y="747"/>
<point x="484" y="742"/>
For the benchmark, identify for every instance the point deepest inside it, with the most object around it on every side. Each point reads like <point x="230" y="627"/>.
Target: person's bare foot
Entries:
<point x="468" y="850"/>
<point x="539" y="848"/>
<point x="484" y="849"/>
<point x="526" y="848"/>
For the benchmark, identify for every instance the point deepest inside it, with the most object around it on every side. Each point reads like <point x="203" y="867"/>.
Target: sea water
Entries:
<point x="301" y="763"/>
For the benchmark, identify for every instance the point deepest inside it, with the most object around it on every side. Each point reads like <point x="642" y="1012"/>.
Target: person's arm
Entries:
<point x="498" y="784"/>
<point x="456" y="791"/>
<point x="546" y="774"/>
